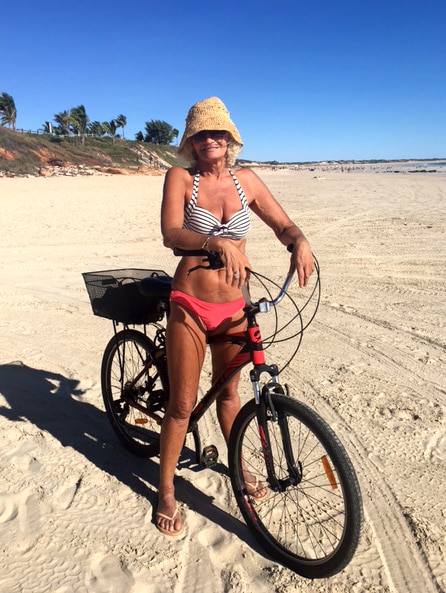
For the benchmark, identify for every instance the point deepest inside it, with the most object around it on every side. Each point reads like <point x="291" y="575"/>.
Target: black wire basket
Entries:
<point x="116" y="295"/>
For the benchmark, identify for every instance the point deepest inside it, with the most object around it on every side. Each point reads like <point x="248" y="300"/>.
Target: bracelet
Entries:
<point x="206" y="243"/>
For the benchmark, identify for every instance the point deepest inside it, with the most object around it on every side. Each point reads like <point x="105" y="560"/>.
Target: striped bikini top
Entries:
<point x="202" y="221"/>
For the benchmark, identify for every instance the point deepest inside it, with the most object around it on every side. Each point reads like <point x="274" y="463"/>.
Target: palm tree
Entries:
<point x="79" y="121"/>
<point x="110" y="128"/>
<point x="8" y="111"/>
<point x="121" y="122"/>
<point x="96" y="128"/>
<point x="63" y="121"/>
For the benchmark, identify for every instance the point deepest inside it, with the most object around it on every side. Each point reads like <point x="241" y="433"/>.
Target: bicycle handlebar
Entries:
<point x="263" y="305"/>
<point x="197" y="252"/>
<point x="185" y="252"/>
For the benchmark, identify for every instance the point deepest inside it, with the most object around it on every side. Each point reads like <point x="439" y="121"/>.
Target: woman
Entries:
<point x="207" y="207"/>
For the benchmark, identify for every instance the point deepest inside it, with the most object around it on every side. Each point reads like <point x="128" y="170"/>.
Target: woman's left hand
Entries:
<point x="302" y="262"/>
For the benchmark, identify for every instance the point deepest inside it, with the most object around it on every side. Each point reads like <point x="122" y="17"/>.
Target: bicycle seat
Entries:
<point x="157" y="287"/>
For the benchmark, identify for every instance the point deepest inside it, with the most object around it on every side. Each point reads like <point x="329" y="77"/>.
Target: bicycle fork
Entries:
<point x="266" y="413"/>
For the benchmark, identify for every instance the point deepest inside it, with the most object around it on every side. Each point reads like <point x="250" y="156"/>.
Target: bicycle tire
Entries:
<point x="134" y="383"/>
<point x="314" y="527"/>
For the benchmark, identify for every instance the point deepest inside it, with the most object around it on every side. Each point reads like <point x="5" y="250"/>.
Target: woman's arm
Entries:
<point x="172" y="212"/>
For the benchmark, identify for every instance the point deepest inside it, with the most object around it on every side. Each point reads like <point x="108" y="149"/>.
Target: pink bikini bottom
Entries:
<point x="211" y="314"/>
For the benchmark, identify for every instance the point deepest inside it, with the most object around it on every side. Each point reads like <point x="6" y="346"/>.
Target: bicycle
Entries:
<point x="311" y="519"/>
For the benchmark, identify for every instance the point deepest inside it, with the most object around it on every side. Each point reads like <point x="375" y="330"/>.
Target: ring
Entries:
<point x="236" y="274"/>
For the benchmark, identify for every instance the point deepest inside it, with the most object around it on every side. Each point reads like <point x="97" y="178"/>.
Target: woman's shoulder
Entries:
<point x="245" y="172"/>
<point x="180" y="173"/>
<point x="179" y="179"/>
<point x="247" y="177"/>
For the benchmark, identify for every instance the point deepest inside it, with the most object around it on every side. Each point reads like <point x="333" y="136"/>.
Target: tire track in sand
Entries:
<point x="401" y="363"/>
<point x="403" y="561"/>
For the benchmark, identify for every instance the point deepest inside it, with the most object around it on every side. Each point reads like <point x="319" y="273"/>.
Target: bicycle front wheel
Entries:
<point x="310" y="521"/>
<point x="135" y="390"/>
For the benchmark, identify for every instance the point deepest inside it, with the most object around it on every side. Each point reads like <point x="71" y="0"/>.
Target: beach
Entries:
<point x="76" y="508"/>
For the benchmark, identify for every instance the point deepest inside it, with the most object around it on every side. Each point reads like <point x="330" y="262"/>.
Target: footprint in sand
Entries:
<point x="435" y="451"/>
<point x="107" y="574"/>
<point x="217" y="546"/>
<point x="22" y="514"/>
<point x="8" y="508"/>
<point x="65" y="496"/>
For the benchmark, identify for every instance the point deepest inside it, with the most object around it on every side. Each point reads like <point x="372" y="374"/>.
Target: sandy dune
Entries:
<point x="76" y="509"/>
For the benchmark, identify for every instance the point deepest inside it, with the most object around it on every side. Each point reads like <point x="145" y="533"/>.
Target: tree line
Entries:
<point x="75" y="122"/>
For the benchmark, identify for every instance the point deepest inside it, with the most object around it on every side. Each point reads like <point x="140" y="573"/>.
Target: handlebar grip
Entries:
<point x="185" y="252"/>
<point x="212" y="257"/>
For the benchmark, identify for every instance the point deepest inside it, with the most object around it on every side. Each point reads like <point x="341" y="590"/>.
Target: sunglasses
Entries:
<point x="217" y="135"/>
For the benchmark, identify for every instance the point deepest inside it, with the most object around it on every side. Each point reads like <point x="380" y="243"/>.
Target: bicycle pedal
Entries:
<point x="209" y="457"/>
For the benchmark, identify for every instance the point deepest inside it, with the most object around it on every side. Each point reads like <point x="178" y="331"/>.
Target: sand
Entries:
<point x="76" y="508"/>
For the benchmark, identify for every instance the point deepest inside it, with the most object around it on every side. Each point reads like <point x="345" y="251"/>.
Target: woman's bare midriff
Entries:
<point x="207" y="285"/>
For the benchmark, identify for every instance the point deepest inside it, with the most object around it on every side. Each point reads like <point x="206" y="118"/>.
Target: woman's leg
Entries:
<point x="228" y="403"/>
<point x="186" y="346"/>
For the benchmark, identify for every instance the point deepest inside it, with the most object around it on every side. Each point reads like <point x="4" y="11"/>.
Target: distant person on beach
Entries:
<point x="207" y="206"/>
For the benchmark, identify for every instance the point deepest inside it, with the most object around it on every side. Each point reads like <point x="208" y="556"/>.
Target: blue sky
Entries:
<point x="303" y="80"/>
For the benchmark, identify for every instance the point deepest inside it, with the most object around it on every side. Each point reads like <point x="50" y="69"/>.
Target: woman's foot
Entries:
<point x="256" y="489"/>
<point x="168" y="518"/>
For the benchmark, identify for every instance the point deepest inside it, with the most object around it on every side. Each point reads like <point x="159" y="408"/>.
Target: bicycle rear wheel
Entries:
<point x="312" y="527"/>
<point x="135" y="390"/>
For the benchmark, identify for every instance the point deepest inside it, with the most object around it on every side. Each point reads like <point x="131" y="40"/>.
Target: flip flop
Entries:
<point x="174" y="534"/>
<point x="256" y="490"/>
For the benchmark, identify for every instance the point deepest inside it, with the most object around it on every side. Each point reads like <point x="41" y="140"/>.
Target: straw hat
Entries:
<point x="210" y="114"/>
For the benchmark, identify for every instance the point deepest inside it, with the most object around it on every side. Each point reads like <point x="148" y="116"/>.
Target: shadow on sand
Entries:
<point x="54" y="404"/>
